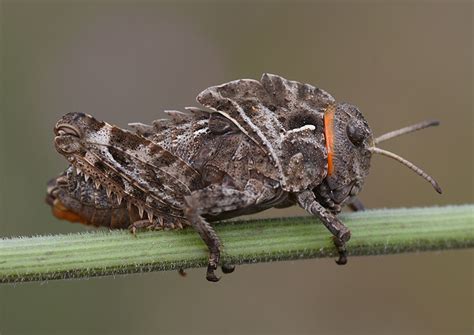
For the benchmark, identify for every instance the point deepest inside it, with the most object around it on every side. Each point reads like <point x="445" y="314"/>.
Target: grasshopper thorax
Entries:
<point x="348" y="142"/>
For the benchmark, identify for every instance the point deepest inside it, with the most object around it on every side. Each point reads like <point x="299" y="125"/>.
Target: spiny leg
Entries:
<point x="214" y="200"/>
<point x="342" y="234"/>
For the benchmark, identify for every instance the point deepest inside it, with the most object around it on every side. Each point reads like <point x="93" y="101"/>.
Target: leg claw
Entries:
<point x="342" y="260"/>
<point x="227" y="268"/>
<point x="341" y="248"/>
<point x="210" y="275"/>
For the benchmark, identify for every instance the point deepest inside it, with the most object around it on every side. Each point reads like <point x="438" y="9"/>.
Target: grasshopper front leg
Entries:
<point x="342" y="234"/>
<point x="356" y="205"/>
<point x="193" y="214"/>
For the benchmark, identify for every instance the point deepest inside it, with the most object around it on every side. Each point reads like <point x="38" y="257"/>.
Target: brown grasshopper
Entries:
<point x="258" y="145"/>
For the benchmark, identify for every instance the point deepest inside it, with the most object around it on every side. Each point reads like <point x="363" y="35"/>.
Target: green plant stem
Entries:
<point x="101" y="253"/>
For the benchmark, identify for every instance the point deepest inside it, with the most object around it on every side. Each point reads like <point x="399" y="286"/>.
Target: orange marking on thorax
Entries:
<point x="329" y="134"/>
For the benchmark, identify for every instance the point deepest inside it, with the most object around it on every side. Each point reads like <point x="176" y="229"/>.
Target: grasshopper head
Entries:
<point x="348" y="142"/>
<point x="350" y="145"/>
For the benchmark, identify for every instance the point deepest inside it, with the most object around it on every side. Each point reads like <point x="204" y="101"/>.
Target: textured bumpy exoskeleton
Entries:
<point x="260" y="144"/>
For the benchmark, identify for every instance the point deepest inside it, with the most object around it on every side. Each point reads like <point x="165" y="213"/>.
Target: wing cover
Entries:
<point x="141" y="168"/>
<point x="283" y="117"/>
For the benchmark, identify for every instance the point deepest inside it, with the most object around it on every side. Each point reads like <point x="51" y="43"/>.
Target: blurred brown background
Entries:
<point x="127" y="61"/>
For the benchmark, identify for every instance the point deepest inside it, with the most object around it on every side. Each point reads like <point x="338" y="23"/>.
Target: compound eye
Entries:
<point x="356" y="132"/>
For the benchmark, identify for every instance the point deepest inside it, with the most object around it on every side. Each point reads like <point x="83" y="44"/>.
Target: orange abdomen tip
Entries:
<point x="329" y="134"/>
<point x="63" y="213"/>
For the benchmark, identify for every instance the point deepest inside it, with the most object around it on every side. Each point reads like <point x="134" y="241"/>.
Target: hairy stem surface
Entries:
<point x="101" y="253"/>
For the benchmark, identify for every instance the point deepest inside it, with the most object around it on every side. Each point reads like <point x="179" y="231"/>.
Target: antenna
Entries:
<point x="406" y="130"/>
<point x="407" y="163"/>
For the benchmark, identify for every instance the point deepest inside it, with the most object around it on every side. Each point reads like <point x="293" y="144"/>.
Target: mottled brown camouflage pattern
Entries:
<point x="261" y="145"/>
